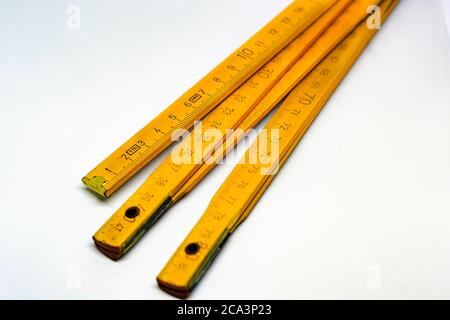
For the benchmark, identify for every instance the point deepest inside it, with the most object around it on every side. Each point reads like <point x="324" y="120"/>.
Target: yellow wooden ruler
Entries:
<point x="171" y="180"/>
<point x="123" y="163"/>
<point x="245" y="185"/>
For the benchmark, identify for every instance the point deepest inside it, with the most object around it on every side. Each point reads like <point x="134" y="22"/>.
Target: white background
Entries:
<point x="446" y="7"/>
<point x="361" y="209"/>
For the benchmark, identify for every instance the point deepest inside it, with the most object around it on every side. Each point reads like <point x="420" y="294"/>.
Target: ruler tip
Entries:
<point x="96" y="184"/>
<point x="180" y="293"/>
<point x="110" y="252"/>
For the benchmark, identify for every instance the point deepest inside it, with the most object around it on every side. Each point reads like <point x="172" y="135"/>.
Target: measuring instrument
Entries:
<point x="171" y="180"/>
<point x="245" y="185"/>
<point x="198" y="101"/>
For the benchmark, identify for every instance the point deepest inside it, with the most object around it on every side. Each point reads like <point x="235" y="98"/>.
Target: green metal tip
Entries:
<point x="96" y="184"/>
